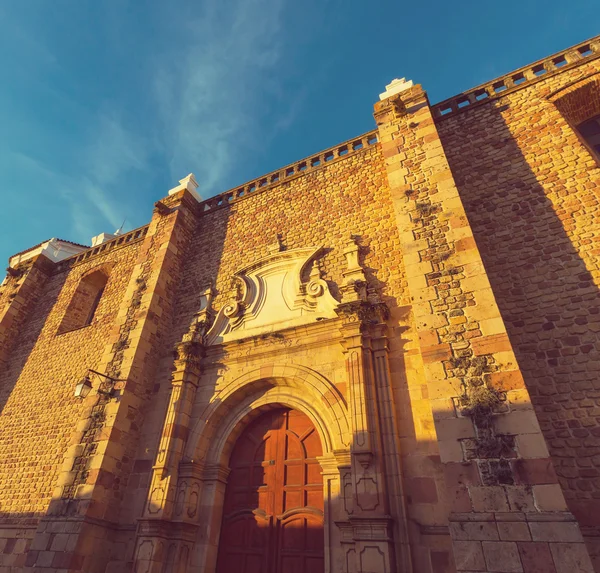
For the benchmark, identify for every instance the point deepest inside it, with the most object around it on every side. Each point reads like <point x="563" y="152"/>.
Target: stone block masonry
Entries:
<point x="433" y="304"/>
<point x="467" y="357"/>
<point x="530" y="189"/>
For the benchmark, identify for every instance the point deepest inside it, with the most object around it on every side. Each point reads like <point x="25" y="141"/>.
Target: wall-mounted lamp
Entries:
<point x="84" y="386"/>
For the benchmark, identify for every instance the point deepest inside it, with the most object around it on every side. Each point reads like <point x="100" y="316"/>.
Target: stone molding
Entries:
<point x="292" y="171"/>
<point x="272" y="294"/>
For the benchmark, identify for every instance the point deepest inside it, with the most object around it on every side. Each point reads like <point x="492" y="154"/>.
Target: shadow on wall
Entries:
<point x="524" y="219"/>
<point x="273" y="507"/>
<point x="300" y="537"/>
<point x="27" y="338"/>
<point x="254" y="532"/>
<point x="16" y="534"/>
<point x="272" y="512"/>
<point x="199" y="265"/>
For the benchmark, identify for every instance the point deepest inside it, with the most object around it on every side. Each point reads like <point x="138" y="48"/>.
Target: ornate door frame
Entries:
<point x="365" y="522"/>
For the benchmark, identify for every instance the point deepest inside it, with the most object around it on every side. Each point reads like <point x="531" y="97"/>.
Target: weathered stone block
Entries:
<point x="502" y="556"/>
<point x="555" y="531"/>
<point x="468" y="556"/>
<point x="514" y="531"/>
<point x="473" y="530"/>
<point x="570" y="557"/>
<point x="536" y="557"/>
<point x="490" y="498"/>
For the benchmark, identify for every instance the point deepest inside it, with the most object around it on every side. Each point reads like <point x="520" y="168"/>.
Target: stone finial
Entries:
<point x="102" y="238"/>
<point x="395" y="87"/>
<point x="355" y="282"/>
<point x="188" y="183"/>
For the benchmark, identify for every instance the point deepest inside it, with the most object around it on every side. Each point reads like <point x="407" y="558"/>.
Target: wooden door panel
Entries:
<point x="294" y="450"/>
<point x="274" y="470"/>
<point x="294" y="474"/>
<point x="244" y="544"/>
<point x="300" y="544"/>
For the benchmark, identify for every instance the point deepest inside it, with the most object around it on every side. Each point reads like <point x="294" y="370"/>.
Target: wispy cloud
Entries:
<point x="111" y="128"/>
<point x="88" y="191"/>
<point x="112" y="152"/>
<point x="214" y="92"/>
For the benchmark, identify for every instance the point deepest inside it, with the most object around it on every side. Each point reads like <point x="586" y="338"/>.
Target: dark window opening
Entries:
<point x="95" y="304"/>
<point x="84" y="303"/>
<point x="590" y="131"/>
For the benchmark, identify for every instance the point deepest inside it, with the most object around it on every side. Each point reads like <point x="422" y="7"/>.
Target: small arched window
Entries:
<point x="85" y="301"/>
<point x="590" y="131"/>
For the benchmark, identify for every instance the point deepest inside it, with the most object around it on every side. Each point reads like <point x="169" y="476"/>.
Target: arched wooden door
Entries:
<point x="273" y="508"/>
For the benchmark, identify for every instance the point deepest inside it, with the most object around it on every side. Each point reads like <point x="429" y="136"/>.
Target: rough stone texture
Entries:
<point x="38" y="409"/>
<point x="530" y="188"/>
<point x="476" y="231"/>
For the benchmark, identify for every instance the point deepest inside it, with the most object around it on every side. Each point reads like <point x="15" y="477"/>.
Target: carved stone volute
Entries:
<point x="272" y="293"/>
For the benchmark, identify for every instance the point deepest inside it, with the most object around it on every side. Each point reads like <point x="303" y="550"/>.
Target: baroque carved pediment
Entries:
<point x="281" y="290"/>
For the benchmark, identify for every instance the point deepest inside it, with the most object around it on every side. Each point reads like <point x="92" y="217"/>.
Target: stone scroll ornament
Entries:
<point x="282" y="290"/>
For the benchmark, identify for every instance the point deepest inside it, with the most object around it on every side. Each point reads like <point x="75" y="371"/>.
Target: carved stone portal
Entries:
<point x="361" y="511"/>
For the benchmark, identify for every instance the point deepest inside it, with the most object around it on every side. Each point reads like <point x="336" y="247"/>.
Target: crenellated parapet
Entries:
<point x="292" y="171"/>
<point x="523" y="77"/>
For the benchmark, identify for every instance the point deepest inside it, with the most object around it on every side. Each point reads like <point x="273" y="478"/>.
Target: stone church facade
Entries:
<point x="381" y="358"/>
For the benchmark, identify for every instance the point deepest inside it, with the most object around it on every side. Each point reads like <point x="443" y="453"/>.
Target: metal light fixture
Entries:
<point x="84" y="386"/>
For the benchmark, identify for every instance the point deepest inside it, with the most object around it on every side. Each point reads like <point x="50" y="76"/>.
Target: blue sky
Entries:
<point x="104" y="106"/>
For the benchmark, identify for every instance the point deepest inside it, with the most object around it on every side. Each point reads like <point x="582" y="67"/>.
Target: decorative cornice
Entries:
<point x="272" y="294"/>
<point x="167" y="529"/>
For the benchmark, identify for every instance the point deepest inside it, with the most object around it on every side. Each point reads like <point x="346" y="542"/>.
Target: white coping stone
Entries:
<point x="190" y="184"/>
<point x="395" y="87"/>
<point x="102" y="238"/>
<point x="55" y="249"/>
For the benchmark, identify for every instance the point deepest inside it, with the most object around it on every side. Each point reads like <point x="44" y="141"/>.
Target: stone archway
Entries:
<point x="301" y="388"/>
<point x="363" y="518"/>
<point x="248" y="399"/>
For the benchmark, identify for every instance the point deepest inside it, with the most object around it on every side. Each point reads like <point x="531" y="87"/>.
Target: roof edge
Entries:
<point x="520" y="78"/>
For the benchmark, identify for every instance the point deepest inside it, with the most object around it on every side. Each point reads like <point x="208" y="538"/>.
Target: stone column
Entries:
<point x="173" y="498"/>
<point x="210" y="515"/>
<point x="333" y="466"/>
<point x="82" y="517"/>
<point x="390" y="446"/>
<point x="368" y="533"/>
<point x="508" y="510"/>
